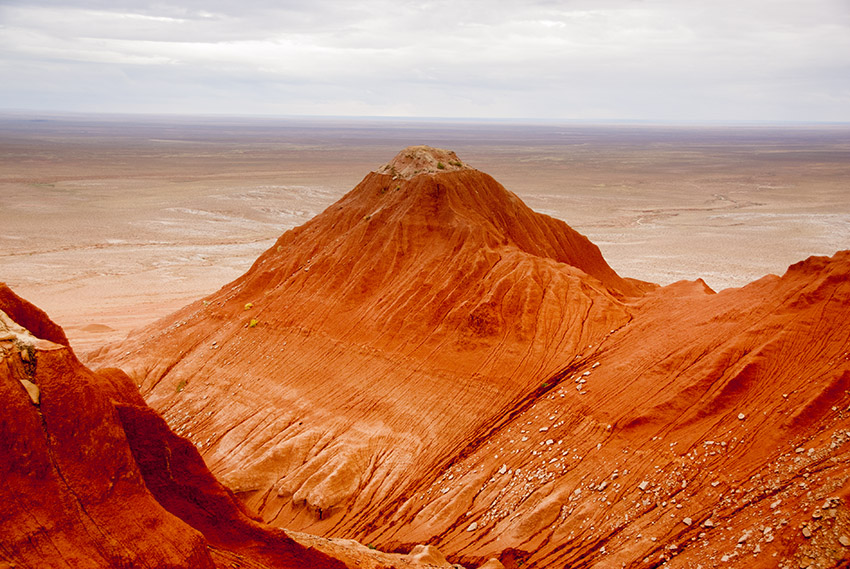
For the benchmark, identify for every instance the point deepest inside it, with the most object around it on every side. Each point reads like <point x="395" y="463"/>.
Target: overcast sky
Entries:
<point x="680" y="60"/>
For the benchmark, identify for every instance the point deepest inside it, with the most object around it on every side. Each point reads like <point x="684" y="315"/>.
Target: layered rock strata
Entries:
<point x="430" y="361"/>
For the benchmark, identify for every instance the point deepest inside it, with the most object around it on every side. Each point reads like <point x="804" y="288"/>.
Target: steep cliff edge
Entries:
<point x="92" y="477"/>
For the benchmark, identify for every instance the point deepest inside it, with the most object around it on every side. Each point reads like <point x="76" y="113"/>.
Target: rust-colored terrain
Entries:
<point x="92" y="477"/>
<point x="431" y="361"/>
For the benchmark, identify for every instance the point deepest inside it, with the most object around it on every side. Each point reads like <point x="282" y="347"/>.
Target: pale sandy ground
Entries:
<point x="110" y="224"/>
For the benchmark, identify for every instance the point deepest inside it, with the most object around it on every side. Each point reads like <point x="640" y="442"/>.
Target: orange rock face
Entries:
<point x="361" y="350"/>
<point x="92" y="477"/>
<point x="430" y="361"/>
<point x="712" y="427"/>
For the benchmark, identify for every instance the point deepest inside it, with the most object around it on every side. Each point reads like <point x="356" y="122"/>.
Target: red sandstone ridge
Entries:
<point x="360" y="351"/>
<point x="430" y="361"/>
<point x="92" y="477"/>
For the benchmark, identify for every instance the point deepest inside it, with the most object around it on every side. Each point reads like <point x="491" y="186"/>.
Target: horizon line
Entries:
<point x="41" y="114"/>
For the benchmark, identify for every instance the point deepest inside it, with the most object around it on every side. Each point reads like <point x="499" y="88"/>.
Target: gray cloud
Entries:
<point x="723" y="60"/>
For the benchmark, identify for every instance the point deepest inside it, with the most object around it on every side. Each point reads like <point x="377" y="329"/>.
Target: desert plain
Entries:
<point x="111" y="222"/>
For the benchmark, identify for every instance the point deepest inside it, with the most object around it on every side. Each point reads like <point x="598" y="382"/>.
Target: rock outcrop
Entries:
<point x="92" y="477"/>
<point x="429" y="361"/>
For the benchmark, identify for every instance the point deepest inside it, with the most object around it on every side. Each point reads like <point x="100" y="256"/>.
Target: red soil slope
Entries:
<point x="92" y="477"/>
<point x="429" y="360"/>
<point x="358" y="353"/>
<point x="712" y="429"/>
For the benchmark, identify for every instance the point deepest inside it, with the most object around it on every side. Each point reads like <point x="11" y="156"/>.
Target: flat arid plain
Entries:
<point x="108" y="223"/>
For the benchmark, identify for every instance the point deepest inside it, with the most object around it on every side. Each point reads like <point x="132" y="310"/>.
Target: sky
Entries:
<point x="643" y="60"/>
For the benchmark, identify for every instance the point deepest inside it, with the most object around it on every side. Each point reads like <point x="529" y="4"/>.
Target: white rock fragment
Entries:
<point x="741" y="416"/>
<point x="32" y="391"/>
<point x="644" y="485"/>
<point x="830" y="502"/>
<point x="472" y="527"/>
<point x="687" y="521"/>
<point x="503" y="469"/>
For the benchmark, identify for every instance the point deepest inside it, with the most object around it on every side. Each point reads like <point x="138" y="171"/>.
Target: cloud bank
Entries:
<point x="616" y="59"/>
